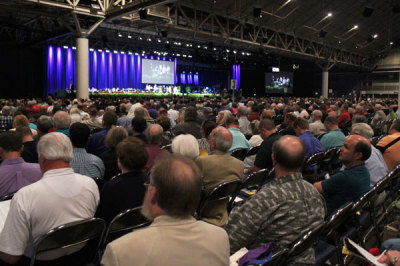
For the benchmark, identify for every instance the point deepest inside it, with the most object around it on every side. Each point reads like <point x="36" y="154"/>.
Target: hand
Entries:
<point x="390" y="256"/>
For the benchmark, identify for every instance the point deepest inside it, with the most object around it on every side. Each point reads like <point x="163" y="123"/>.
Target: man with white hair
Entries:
<point x="317" y="127"/>
<point x="379" y="115"/>
<point x="376" y="165"/>
<point x="60" y="197"/>
<point x="62" y="122"/>
<point x="244" y="123"/>
<point x="186" y="145"/>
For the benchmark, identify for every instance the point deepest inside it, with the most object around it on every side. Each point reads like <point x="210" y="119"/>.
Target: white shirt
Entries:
<point x="244" y="125"/>
<point x="60" y="197"/>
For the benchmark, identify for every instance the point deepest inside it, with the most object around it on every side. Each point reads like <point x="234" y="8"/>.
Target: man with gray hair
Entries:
<point x="154" y="138"/>
<point x="317" y="127"/>
<point x="218" y="168"/>
<point x="375" y="164"/>
<point x="244" y="123"/>
<point x="60" y="197"/>
<point x="62" y="121"/>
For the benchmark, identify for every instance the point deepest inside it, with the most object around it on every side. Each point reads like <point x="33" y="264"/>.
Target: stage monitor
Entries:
<point x="158" y="72"/>
<point x="279" y="83"/>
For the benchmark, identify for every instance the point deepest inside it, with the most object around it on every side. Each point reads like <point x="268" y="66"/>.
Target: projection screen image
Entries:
<point x="157" y="72"/>
<point x="279" y="83"/>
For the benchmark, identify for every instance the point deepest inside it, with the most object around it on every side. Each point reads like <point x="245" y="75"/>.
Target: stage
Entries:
<point x="149" y="95"/>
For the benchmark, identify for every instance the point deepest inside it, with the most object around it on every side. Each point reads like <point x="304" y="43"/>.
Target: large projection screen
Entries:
<point x="158" y="72"/>
<point x="278" y="82"/>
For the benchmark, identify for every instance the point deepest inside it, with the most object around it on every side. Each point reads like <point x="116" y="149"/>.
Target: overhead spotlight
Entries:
<point x="140" y="38"/>
<point x="91" y="49"/>
<point x="129" y="36"/>
<point x="375" y="36"/>
<point x="119" y="34"/>
<point x="243" y="53"/>
<point x="339" y="41"/>
<point x="158" y="40"/>
<point x="391" y="43"/>
<point x="227" y="50"/>
<point x="257" y="12"/>
<point x="214" y="49"/>
<point x="367" y="12"/>
<point x="73" y="48"/>
<point x="355" y="27"/>
<point x="149" y="39"/>
<point x="115" y="52"/>
<point x="329" y="14"/>
<point x="198" y="46"/>
<point x="167" y="42"/>
<point x="205" y="47"/>
<point x="248" y="54"/>
<point x="322" y="34"/>
<point x="65" y="47"/>
<point x="234" y="51"/>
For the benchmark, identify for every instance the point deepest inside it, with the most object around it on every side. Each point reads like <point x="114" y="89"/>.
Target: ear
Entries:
<point x="21" y="149"/>
<point x="153" y="194"/>
<point x="273" y="160"/>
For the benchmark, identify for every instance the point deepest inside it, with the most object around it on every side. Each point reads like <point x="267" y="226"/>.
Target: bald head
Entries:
<point x="220" y="139"/>
<point x="154" y="134"/>
<point x="288" y="153"/>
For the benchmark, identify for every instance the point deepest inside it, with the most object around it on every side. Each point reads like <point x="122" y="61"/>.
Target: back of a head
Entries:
<point x="24" y="131"/>
<point x="20" y="120"/>
<point x="44" y="123"/>
<point x="139" y="124"/>
<point x="301" y="123"/>
<point x="317" y="114"/>
<point x="110" y="119"/>
<point x="154" y="134"/>
<point x="178" y="183"/>
<point x="79" y="134"/>
<point x="186" y="145"/>
<point x="139" y="112"/>
<point x="331" y="120"/>
<point x="362" y="129"/>
<point x="222" y="138"/>
<point x="267" y="124"/>
<point x="232" y="121"/>
<point x="208" y="126"/>
<point x="243" y="111"/>
<point x="164" y="122"/>
<point x="61" y="120"/>
<point x="363" y="146"/>
<point x="55" y="146"/>
<point x="289" y="152"/>
<point x="132" y="154"/>
<point x="396" y="125"/>
<point x="190" y="114"/>
<point x="11" y="141"/>
<point x="114" y="136"/>
<point x="93" y="111"/>
<point x="359" y="119"/>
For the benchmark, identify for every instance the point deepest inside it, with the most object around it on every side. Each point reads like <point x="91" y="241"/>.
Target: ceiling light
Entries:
<point x="140" y="38"/>
<point x="122" y="52"/>
<point x="391" y="43"/>
<point x="355" y="27"/>
<point x="149" y="39"/>
<point x="73" y="48"/>
<point x="339" y="41"/>
<point x="227" y="50"/>
<point x="100" y="50"/>
<point x="375" y="36"/>
<point x="91" y="49"/>
<point x="215" y="49"/>
<point x="234" y="51"/>
<point x="129" y="36"/>
<point x="119" y="34"/>
<point x="158" y="40"/>
<point x="115" y="52"/>
<point x="107" y="51"/>
<point x="198" y="46"/>
<point x="329" y="14"/>
<point x="65" y="47"/>
<point x="205" y="47"/>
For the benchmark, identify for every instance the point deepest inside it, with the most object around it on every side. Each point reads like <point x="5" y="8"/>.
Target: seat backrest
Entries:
<point x="167" y="147"/>
<point x="363" y="201"/>
<point x="7" y="197"/>
<point x="71" y="235"/>
<point x="329" y="154"/>
<point x="123" y="223"/>
<point x="253" y="151"/>
<point x="336" y="219"/>
<point x="255" y="179"/>
<point x="305" y="241"/>
<point x="314" y="159"/>
<point x="239" y="154"/>
<point x="221" y="192"/>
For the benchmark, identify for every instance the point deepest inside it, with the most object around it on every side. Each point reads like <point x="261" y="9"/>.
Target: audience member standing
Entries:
<point x="174" y="237"/>
<point x="15" y="173"/>
<point x="84" y="163"/>
<point x="60" y="197"/>
<point x="126" y="190"/>
<point x="283" y="209"/>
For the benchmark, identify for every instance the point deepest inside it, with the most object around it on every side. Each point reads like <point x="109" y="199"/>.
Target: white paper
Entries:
<point x="371" y="258"/>
<point x="4" y="208"/>
<point x="233" y="260"/>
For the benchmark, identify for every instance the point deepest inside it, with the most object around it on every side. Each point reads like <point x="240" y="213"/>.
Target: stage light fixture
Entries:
<point x="198" y="46"/>
<point x="234" y="51"/>
<point x="184" y="55"/>
<point x="100" y="50"/>
<point x="91" y="49"/>
<point x="107" y="51"/>
<point x="73" y="48"/>
<point x="149" y="39"/>
<point x="227" y="50"/>
<point x="115" y="52"/>
<point x="122" y="52"/>
<point x="215" y="49"/>
<point x="65" y="47"/>
<point x="205" y="47"/>
<point x="248" y="54"/>
<point x="129" y="53"/>
<point x="159" y="40"/>
<point x="136" y="54"/>
<point x="167" y="42"/>
<point x="355" y="27"/>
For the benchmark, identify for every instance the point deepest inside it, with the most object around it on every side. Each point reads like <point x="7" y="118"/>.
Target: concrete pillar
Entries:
<point x="325" y="80"/>
<point x="82" y="68"/>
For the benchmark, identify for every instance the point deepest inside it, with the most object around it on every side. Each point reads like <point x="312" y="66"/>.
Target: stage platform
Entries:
<point x="150" y="95"/>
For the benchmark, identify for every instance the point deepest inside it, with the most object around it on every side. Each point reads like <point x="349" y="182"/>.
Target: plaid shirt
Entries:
<point x="281" y="211"/>
<point x="5" y="122"/>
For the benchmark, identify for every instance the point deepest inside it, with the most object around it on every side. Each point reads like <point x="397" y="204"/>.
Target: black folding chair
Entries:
<point x="253" y="151"/>
<point x="256" y="179"/>
<point x="7" y="197"/>
<point x="71" y="236"/>
<point x="311" y="166"/>
<point x="239" y="154"/>
<point x="124" y="223"/>
<point x="167" y="148"/>
<point x="223" y="192"/>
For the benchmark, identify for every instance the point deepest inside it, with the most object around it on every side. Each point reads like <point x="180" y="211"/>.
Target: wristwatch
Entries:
<point x="395" y="259"/>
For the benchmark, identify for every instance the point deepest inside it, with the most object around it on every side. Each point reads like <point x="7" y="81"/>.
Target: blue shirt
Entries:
<point x="332" y="139"/>
<point x="87" y="164"/>
<point x="239" y="141"/>
<point x="313" y="145"/>
<point x="376" y="166"/>
<point x="96" y="143"/>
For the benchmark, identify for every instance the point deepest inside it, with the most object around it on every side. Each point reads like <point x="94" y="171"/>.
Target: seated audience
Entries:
<point x="190" y="125"/>
<point x="62" y="122"/>
<point x="185" y="145"/>
<point x="317" y="127"/>
<point x="390" y="145"/>
<point x="244" y="123"/>
<point x="154" y="139"/>
<point x="109" y="158"/>
<point x="218" y="168"/>
<point x="84" y="163"/>
<point x="126" y="190"/>
<point x="174" y="237"/>
<point x="283" y="209"/>
<point x="6" y="118"/>
<point x="44" y="125"/>
<point x="124" y="121"/>
<point x="139" y="125"/>
<point x="354" y="181"/>
<point x="15" y="173"/>
<point x="22" y="121"/>
<point x="165" y="123"/>
<point x="375" y="164"/>
<point x="96" y="143"/>
<point x="205" y="129"/>
<point x="223" y="117"/>
<point x="335" y="137"/>
<point x="60" y="197"/>
<point x="29" y="154"/>
<point x="269" y="135"/>
<point x="312" y="144"/>
<point x="254" y="141"/>
<point x="93" y="122"/>
<point x="239" y="141"/>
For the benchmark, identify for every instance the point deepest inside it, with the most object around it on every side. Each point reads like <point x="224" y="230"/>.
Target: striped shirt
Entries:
<point x="87" y="164"/>
<point x="281" y="211"/>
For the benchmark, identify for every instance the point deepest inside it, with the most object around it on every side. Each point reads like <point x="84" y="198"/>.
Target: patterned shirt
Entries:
<point x="281" y="211"/>
<point x="87" y="164"/>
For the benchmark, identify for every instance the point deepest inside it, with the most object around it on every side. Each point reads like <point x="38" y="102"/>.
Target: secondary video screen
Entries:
<point x="157" y="72"/>
<point x="279" y="83"/>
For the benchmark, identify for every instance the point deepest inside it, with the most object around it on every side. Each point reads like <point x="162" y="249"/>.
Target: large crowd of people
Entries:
<point x="70" y="159"/>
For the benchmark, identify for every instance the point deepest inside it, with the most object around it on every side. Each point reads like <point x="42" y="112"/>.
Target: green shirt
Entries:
<point x="332" y="139"/>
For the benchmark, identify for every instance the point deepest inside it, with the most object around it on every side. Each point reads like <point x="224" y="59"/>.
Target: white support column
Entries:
<point x="325" y="80"/>
<point x="82" y="68"/>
